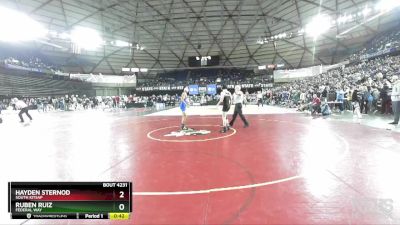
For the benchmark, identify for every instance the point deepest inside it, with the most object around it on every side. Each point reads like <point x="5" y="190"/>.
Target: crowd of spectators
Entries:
<point x="76" y="102"/>
<point x="223" y="76"/>
<point x="371" y="82"/>
<point x="367" y="83"/>
<point x="162" y="82"/>
<point x="71" y="102"/>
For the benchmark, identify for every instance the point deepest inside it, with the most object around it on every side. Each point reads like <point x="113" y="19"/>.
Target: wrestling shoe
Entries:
<point x="223" y="130"/>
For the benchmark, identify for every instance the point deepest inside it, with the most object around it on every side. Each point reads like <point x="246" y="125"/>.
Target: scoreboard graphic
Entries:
<point x="70" y="200"/>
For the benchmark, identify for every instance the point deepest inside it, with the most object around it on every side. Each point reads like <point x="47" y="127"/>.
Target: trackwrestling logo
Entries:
<point x="188" y="132"/>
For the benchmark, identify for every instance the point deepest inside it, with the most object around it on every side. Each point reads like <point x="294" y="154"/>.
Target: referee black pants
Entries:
<point x="238" y="110"/>
<point x="396" y="111"/>
<point x="260" y="101"/>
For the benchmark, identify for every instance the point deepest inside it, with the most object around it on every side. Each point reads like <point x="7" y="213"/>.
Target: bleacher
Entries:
<point x="22" y="83"/>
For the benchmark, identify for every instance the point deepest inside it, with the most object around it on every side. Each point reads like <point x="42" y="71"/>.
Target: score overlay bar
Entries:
<point x="69" y="200"/>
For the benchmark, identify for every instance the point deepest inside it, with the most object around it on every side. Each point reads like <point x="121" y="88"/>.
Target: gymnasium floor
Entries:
<point x="286" y="168"/>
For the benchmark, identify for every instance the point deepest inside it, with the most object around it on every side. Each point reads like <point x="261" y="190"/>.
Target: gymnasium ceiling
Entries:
<point x="173" y="30"/>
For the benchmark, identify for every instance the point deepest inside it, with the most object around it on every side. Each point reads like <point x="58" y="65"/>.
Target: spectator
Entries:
<point x="385" y="98"/>
<point x="340" y="98"/>
<point x="356" y="103"/>
<point x="316" y="105"/>
<point x="395" y="96"/>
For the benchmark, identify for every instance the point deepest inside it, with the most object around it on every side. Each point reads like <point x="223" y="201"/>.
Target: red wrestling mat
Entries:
<point x="283" y="169"/>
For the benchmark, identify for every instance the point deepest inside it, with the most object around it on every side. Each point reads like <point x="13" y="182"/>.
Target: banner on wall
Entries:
<point x="17" y="67"/>
<point x="378" y="53"/>
<point x="100" y="78"/>
<point x="193" y="89"/>
<point x="202" y="90"/>
<point x="212" y="89"/>
<point x="296" y="74"/>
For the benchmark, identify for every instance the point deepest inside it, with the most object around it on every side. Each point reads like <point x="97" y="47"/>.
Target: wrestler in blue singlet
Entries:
<point x="182" y="105"/>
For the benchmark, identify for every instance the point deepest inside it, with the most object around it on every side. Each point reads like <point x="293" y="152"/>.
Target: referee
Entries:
<point x="238" y="99"/>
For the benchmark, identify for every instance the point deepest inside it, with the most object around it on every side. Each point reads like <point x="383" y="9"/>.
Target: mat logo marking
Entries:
<point x="188" y="132"/>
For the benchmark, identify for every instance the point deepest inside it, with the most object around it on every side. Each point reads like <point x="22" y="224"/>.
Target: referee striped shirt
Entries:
<point x="238" y="97"/>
